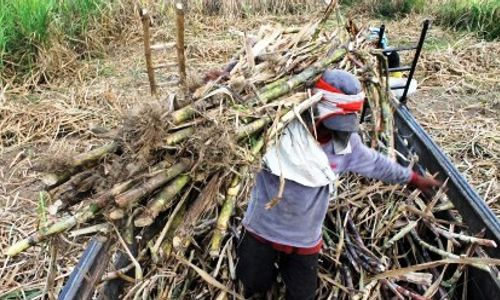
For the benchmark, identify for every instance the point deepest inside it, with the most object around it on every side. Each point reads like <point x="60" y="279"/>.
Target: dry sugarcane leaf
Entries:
<point x="333" y="282"/>
<point x="205" y="201"/>
<point x="402" y="232"/>
<point x="434" y="288"/>
<point x="208" y="278"/>
<point x="470" y="261"/>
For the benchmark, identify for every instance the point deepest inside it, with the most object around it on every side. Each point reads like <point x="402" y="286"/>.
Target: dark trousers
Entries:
<point x="259" y="265"/>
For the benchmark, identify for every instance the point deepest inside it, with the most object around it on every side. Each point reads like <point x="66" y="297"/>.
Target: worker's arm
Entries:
<point x="370" y="163"/>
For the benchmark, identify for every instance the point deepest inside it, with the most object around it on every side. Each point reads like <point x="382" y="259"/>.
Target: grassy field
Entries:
<point x="28" y="26"/>
<point x="32" y="31"/>
<point x="472" y="15"/>
<point x="39" y="38"/>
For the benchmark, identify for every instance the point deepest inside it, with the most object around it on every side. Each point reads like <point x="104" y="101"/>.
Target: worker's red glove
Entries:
<point x="214" y="74"/>
<point x="425" y="184"/>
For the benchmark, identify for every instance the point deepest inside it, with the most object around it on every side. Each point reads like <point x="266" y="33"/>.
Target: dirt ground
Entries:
<point x="457" y="102"/>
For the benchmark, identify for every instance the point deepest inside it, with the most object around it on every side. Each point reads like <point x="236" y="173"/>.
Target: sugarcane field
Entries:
<point x="271" y="149"/>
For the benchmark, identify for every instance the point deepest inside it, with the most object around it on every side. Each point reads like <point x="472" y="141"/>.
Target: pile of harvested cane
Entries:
<point x="171" y="188"/>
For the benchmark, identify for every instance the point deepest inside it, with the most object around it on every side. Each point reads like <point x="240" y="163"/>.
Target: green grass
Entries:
<point x="480" y="16"/>
<point x="387" y="8"/>
<point x="392" y="8"/>
<point x="83" y="11"/>
<point x="26" y="26"/>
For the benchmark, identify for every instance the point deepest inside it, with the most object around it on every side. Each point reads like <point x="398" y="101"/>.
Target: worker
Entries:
<point x="308" y="158"/>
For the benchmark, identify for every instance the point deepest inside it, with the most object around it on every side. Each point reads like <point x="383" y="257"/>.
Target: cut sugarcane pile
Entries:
<point x="174" y="179"/>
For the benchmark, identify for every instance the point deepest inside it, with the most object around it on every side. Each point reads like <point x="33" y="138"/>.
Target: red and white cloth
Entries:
<point x="335" y="102"/>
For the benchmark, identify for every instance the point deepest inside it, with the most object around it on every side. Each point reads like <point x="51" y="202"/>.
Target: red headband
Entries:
<point x="321" y="84"/>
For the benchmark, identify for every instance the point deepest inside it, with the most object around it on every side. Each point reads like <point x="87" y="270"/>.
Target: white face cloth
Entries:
<point x="297" y="156"/>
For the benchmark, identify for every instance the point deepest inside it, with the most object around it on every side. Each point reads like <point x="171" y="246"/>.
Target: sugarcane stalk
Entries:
<point x="132" y="196"/>
<point x="92" y="209"/>
<point x="167" y="243"/>
<point x="146" y="23"/>
<point x="293" y="113"/>
<point x="363" y="261"/>
<point x="347" y="277"/>
<point x="43" y="199"/>
<point x="417" y="278"/>
<point x="358" y="241"/>
<point x="162" y="201"/>
<point x="407" y="293"/>
<point x="268" y="94"/>
<point x="225" y="213"/>
<point x="423" y="257"/>
<point x="253" y="127"/>
<point x="90" y="158"/>
<point x="352" y="261"/>
<point x="101" y="228"/>
<point x="374" y="103"/>
<point x="203" y="202"/>
<point x="181" y="58"/>
<point x="466" y="238"/>
<point x="387" y="119"/>
<point x="179" y="136"/>
<point x="84" y="159"/>
<point x="389" y="284"/>
<point x="443" y="253"/>
<point x="274" y="84"/>
<point x="451" y="283"/>
<point x="230" y="201"/>
<point x="93" y="155"/>
<point x="387" y="123"/>
<point x="82" y="216"/>
<point x="66" y="194"/>
<point x="187" y="112"/>
<point x="401" y="233"/>
<point x="364" y="293"/>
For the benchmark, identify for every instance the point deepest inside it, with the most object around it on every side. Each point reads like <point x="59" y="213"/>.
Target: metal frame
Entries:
<point x="87" y="273"/>
<point x="413" y="66"/>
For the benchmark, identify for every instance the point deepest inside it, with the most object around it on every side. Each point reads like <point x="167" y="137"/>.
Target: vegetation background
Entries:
<point x="35" y="35"/>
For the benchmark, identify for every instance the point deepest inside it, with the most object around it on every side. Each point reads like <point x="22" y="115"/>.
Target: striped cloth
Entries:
<point x="335" y="102"/>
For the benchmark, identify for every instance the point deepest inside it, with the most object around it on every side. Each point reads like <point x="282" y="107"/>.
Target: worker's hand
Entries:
<point x="425" y="184"/>
<point x="214" y="74"/>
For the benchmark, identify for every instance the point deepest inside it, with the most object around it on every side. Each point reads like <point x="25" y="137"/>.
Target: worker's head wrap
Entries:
<point x="343" y="97"/>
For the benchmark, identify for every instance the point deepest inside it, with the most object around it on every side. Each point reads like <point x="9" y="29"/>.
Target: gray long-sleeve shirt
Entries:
<point x="297" y="219"/>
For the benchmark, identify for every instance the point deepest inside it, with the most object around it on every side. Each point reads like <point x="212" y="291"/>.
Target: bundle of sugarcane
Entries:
<point x="383" y="242"/>
<point x="158" y="153"/>
<point x="170" y="181"/>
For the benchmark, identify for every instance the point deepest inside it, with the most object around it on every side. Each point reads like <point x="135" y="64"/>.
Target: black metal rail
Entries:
<point x="87" y="273"/>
